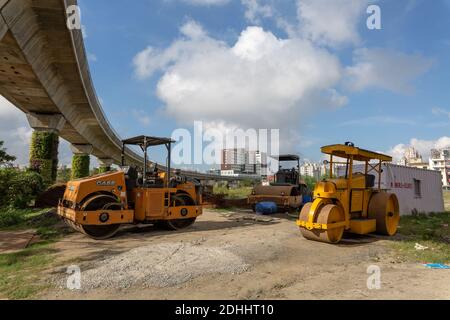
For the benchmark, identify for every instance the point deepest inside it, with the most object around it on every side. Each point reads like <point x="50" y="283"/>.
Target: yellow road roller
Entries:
<point x="351" y="203"/>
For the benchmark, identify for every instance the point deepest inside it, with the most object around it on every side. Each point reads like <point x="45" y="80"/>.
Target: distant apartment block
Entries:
<point x="412" y="158"/>
<point x="242" y="161"/>
<point x="309" y="169"/>
<point x="440" y="161"/>
<point x="315" y="170"/>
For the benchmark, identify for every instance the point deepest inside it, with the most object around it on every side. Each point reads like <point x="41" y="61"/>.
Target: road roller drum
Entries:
<point x="384" y="208"/>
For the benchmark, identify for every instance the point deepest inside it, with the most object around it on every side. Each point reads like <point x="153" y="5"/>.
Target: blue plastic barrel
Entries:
<point x="306" y="199"/>
<point x="266" y="208"/>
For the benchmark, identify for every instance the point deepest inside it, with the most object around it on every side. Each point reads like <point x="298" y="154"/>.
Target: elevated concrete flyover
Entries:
<point x="44" y="72"/>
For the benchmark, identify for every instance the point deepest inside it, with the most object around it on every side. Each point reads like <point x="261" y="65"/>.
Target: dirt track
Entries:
<point x="226" y="256"/>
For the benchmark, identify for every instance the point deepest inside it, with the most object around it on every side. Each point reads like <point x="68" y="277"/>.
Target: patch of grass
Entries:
<point x="19" y="272"/>
<point x="447" y="200"/>
<point x="43" y="220"/>
<point x="432" y="231"/>
<point x="11" y="218"/>
<point x="233" y="193"/>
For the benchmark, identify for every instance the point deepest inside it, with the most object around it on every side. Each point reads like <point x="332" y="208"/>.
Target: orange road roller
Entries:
<point x="97" y="206"/>
<point x="351" y="203"/>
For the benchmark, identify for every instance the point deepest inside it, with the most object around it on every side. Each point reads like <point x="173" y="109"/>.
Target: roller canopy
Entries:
<point x="288" y="157"/>
<point x="147" y="141"/>
<point x="345" y="151"/>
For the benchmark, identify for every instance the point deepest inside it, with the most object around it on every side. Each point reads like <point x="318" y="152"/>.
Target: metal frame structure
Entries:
<point x="291" y="157"/>
<point x="144" y="142"/>
<point x="351" y="154"/>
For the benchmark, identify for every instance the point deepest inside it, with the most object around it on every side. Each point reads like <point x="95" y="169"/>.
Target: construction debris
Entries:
<point x="420" y="247"/>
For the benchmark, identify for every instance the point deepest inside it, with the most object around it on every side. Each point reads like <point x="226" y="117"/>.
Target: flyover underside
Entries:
<point x="44" y="70"/>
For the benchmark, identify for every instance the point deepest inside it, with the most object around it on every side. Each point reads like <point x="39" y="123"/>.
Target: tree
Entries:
<point x="310" y="182"/>
<point x="5" y="158"/>
<point x="64" y="174"/>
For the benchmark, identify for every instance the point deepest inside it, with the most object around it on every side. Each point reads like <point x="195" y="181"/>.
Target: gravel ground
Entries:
<point x="162" y="265"/>
<point x="236" y="255"/>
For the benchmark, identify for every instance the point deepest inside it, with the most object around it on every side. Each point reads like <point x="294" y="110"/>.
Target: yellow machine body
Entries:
<point x="139" y="205"/>
<point x="351" y="203"/>
<point x="98" y="205"/>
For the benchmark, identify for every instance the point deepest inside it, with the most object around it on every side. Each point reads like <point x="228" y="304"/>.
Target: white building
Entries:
<point x="417" y="190"/>
<point x="412" y="158"/>
<point x="233" y="159"/>
<point x="228" y="173"/>
<point x="440" y="161"/>
<point x="315" y="170"/>
<point x="242" y="161"/>
<point x="309" y="169"/>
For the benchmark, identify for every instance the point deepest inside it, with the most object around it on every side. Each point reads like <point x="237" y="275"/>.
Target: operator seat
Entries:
<point x="131" y="179"/>
<point x="153" y="180"/>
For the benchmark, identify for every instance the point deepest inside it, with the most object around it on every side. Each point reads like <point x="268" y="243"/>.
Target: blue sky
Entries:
<point x="323" y="77"/>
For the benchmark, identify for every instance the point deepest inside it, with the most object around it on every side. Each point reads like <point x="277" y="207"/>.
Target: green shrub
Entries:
<point x="6" y="178"/>
<point x="10" y="217"/>
<point x="64" y="175"/>
<point x="310" y="182"/>
<point x="246" y="183"/>
<point x="104" y="169"/>
<point x="25" y="187"/>
<point x="18" y="188"/>
<point x="80" y="166"/>
<point x="44" y="154"/>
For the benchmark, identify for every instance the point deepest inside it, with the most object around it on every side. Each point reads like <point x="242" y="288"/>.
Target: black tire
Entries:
<point x="100" y="232"/>
<point x="178" y="224"/>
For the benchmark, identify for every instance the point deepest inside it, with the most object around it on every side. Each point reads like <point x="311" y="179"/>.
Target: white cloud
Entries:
<point x="386" y="69"/>
<point x="193" y="30"/>
<point x="255" y="10"/>
<point x="261" y="81"/>
<point x="151" y="60"/>
<point x="84" y="31"/>
<point x="264" y="81"/>
<point x="16" y="133"/>
<point x="422" y="146"/>
<point x="333" y="23"/>
<point x="92" y="57"/>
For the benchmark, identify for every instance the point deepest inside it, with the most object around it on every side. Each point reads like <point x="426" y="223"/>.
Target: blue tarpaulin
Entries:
<point x="436" y="266"/>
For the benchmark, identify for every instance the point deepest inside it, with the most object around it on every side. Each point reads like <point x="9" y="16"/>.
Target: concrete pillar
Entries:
<point x="81" y="160"/>
<point x="44" y="144"/>
<point x="105" y="165"/>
